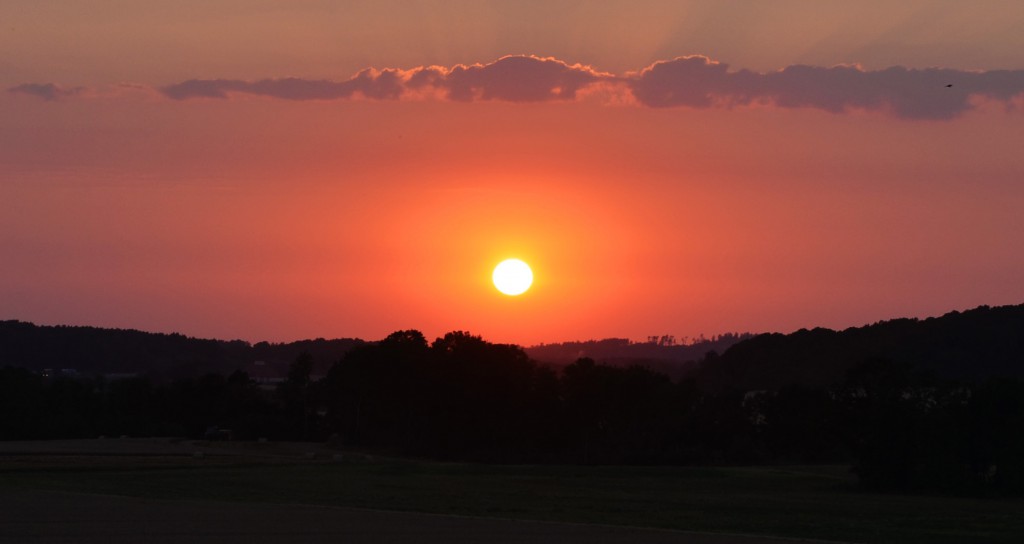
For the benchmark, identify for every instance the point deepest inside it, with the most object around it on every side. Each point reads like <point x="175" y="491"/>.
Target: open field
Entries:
<point x="801" y="502"/>
<point x="45" y="516"/>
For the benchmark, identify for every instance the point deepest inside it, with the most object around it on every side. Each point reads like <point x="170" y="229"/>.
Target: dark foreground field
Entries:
<point x="45" y="516"/>
<point x="125" y="490"/>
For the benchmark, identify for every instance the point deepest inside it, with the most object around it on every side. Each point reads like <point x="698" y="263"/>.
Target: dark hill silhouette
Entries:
<point x="92" y="350"/>
<point x="970" y="345"/>
<point x="861" y="396"/>
<point x="973" y="345"/>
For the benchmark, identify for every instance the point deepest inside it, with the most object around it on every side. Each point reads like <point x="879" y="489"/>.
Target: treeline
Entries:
<point x="36" y="408"/>
<point x="162" y="357"/>
<point x="461" y="398"/>
<point x="666" y="348"/>
<point x="971" y="345"/>
<point x="665" y="354"/>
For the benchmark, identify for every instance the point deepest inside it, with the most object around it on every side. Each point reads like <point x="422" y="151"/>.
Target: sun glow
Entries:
<point x="512" y="277"/>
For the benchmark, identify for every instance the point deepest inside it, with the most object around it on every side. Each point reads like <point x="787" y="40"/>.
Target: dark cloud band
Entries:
<point x="514" y="79"/>
<point x="932" y="93"/>
<point x="694" y="82"/>
<point x="47" y="91"/>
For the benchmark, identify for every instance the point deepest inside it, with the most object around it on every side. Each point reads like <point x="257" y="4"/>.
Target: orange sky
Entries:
<point x="264" y="217"/>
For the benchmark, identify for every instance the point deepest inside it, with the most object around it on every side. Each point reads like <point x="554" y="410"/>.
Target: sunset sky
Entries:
<point x="278" y="170"/>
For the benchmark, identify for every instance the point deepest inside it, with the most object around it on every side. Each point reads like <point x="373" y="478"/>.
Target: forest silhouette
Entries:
<point x="927" y="405"/>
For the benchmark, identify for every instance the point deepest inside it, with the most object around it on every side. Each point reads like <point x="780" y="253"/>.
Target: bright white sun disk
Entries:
<point x="512" y="277"/>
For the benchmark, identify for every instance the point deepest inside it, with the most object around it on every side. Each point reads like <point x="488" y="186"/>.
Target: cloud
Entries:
<point x="512" y="79"/>
<point x="377" y="84"/>
<point x="46" y="91"/>
<point x="690" y="82"/>
<point x="932" y="93"/>
<point x="518" y="79"/>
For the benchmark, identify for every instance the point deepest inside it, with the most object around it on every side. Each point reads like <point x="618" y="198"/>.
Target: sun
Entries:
<point x="512" y="277"/>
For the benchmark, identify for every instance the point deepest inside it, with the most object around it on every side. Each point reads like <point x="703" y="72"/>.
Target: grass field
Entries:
<point x="804" y="502"/>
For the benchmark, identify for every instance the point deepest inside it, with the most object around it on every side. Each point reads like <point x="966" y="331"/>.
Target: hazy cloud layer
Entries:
<point x="694" y="82"/>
